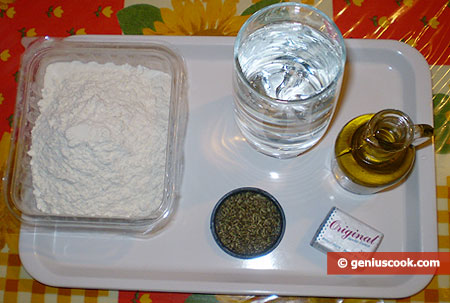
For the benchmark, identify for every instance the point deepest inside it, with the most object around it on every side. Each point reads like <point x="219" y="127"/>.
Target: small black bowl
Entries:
<point x="247" y="222"/>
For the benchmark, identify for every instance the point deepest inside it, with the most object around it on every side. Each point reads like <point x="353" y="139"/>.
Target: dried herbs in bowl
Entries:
<point x="247" y="222"/>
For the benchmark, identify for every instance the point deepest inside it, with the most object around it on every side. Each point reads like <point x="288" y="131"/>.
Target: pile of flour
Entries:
<point x="99" y="143"/>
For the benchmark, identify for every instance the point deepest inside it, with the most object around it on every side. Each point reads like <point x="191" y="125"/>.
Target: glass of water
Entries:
<point x="289" y="61"/>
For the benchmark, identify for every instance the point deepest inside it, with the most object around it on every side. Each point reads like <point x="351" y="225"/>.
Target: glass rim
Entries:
<point x="404" y="121"/>
<point x="244" y="79"/>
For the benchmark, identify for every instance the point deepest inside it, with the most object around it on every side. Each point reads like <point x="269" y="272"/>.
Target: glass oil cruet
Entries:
<point x="376" y="151"/>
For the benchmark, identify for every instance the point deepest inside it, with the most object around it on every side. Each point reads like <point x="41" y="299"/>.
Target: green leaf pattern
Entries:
<point x="441" y="105"/>
<point x="133" y="19"/>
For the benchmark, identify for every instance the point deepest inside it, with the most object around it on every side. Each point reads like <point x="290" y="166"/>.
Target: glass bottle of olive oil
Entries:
<point x="376" y="151"/>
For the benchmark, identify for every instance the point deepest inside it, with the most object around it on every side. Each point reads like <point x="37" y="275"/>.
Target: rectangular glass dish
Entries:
<point x="40" y="53"/>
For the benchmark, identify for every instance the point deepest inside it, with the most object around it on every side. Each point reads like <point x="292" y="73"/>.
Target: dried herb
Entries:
<point x="248" y="223"/>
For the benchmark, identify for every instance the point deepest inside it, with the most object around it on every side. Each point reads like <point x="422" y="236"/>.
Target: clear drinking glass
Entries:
<point x="289" y="60"/>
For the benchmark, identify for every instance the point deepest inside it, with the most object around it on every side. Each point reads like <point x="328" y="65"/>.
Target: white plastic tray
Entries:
<point x="183" y="257"/>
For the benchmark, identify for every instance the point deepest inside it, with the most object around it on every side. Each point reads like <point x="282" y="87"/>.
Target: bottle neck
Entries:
<point x="377" y="148"/>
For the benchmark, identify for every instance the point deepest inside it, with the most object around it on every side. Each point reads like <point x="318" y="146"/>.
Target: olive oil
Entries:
<point x="375" y="151"/>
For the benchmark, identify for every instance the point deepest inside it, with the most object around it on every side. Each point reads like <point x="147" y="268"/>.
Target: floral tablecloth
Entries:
<point x="422" y="24"/>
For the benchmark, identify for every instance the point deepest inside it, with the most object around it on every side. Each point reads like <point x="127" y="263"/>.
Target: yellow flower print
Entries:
<point x="4" y="4"/>
<point x="1" y="98"/>
<point x="433" y="22"/>
<point x="408" y="3"/>
<point x="31" y="32"/>
<point x="145" y="298"/>
<point x="81" y="31"/>
<point x="412" y="42"/>
<point x="384" y="22"/>
<point x="10" y="12"/>
<point x="358" y="2"/>
<point x="107" y="11"/>
<point x="4" y="55"/>
<point x="28" y="33"/>
<point x="194" y="17"/>
<point x="58" y="11"/>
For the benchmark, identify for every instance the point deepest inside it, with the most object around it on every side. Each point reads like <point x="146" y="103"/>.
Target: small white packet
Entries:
<point x="340" y="232"/>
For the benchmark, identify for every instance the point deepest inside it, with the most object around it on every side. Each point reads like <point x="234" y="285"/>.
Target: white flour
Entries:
<point x="98" y="146"/>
